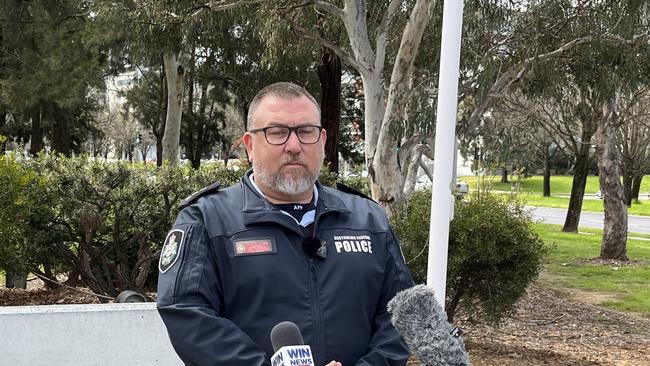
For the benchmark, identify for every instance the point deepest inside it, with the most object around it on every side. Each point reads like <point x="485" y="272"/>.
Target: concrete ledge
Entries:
<point x="93" y="335"/>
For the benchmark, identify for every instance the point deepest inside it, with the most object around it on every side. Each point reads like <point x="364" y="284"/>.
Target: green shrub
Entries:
<point x="20" y="191"/>
<point x="103" y="221"/>
<point x="493" y="252"/>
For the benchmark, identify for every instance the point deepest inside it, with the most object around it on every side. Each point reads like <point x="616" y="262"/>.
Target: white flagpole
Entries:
<point x="442" y="200"/>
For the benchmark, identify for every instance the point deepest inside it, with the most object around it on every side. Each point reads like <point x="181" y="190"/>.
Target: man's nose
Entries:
<point x="293" y="144"/>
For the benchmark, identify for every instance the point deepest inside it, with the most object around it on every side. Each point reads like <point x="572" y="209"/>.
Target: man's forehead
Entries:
<point x="274" y="100"/>
<point x="277" y="109"/>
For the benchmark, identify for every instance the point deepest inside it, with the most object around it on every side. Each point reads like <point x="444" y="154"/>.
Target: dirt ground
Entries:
<point x="550" y="327"/>
<point x="561" y="327"/>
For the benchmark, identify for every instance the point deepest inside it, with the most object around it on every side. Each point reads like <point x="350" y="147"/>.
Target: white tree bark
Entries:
<point x="174" y="74"/>
<point x="614" y="244"/>
<point x="412" y="172"/>
<point x="381" y="146"/>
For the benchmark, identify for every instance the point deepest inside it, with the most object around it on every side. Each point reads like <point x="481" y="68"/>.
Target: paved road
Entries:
<point x="635" y="224"/>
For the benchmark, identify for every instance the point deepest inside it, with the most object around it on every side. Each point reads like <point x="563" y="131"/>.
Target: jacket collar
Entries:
<point x="255" y="202"/>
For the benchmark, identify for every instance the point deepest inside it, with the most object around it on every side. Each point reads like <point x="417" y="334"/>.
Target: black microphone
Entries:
<point x="289" y="346"/>
<point x="314" y="247"/>
<point x="422" y="322"/>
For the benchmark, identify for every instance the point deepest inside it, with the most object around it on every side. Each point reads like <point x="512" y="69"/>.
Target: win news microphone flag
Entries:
<point x="289" y="346"/>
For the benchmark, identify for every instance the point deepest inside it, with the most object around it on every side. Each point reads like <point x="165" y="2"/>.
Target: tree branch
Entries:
<point x="330" y="8"/>
<point x="306" y="34"/>
<point x="380" y="39"/>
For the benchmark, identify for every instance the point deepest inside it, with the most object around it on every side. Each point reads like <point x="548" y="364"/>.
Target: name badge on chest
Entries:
<point x="254" y="247"/>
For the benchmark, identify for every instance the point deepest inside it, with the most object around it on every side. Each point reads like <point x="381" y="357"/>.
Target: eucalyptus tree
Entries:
<point x="614" y="63"/>
<point x="623" y="64"/>
<point x="565" y="40"/>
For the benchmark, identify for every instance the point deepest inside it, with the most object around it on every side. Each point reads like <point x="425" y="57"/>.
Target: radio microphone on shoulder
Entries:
<point x="422" y="322"/>
<point x="289" y="347"/>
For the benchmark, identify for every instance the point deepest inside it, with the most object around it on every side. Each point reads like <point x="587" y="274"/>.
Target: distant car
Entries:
<point x="462" y="188"/>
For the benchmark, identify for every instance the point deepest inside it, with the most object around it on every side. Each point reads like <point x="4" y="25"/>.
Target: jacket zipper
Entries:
<point x="318" y="321"/>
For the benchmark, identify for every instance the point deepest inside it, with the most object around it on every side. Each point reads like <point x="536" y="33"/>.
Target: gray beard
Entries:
<point x="285" y="184"/>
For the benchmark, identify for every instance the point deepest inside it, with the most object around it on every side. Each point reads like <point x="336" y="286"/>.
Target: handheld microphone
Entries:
<point x="289" y="347"/>
<point x="422" y="322"/>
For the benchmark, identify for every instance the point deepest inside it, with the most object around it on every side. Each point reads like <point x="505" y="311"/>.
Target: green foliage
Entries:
<point x="106" y="221"/>
<point x="20" y="189"/>
<point x="493" y="252"/>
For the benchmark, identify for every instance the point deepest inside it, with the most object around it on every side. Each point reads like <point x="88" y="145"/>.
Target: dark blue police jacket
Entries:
<point x="233" y="267"/>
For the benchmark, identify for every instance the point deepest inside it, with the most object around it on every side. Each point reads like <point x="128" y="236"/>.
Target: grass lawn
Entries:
<point x="560" y="184"/>
<point x="530" y="190"/>
<point x="626" y="287"/>
<point x="641" y="208"/>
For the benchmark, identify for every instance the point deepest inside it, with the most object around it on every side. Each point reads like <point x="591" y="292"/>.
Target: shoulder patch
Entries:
<point x="171" y="249"/>
<point x="343" y="188"/>
<point x="214" y="187"/>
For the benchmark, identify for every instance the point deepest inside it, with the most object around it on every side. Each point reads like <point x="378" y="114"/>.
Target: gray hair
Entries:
<point x="284" y="90"/>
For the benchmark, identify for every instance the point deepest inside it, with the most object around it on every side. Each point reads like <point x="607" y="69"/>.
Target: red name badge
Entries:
<point x="254" y="247"/>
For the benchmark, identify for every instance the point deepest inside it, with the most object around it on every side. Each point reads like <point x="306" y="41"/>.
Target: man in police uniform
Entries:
<point x="280" y="246"/>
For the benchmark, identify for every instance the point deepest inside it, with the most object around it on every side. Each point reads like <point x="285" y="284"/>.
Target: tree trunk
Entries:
<point x="36" y="140"/>
<point x="636" y="186"/>
<point x="3" y="121"/>
<point x="60" y="131"/>
<point x="387" y="180"/>
<point x="504" y="175"/>
<point x="16" y="279"/>
<point x="159" y="150"/>
<point x="412" y="172"/>
<point x="192" y="138"/>
<point x="547" y="175"/>
<point x="614" y="245"/>
<point x="579" y="182"/>
<point x="174" y="73"/>
<point x="627" y="188"/>
<point x="159" y="130"/>
<point x="329" y="74"/>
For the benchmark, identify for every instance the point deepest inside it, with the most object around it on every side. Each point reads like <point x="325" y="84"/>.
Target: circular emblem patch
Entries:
<point x="171" y="249"/>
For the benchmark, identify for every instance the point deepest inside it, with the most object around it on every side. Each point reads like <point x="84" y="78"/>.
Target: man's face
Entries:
<point x="291" y="168"/>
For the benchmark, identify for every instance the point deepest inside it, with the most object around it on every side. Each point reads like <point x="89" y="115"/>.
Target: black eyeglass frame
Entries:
<point x="291" y="129"/>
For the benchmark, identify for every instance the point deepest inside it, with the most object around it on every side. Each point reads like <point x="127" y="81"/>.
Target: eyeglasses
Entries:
<point x="279" y="135"/>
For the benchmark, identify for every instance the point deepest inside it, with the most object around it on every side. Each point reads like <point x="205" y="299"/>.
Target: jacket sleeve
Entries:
<point x="189" y="303"/>
<point x="386" y="345"/>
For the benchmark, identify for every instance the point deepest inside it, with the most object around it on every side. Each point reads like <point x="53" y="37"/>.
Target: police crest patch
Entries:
<point x="171" y="249"/>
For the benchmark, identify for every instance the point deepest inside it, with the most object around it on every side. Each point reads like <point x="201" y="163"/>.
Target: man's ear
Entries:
<point x="247" y="139"/>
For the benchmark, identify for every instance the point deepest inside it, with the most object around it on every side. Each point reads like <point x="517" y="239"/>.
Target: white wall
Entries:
<point x="84" y="335"/>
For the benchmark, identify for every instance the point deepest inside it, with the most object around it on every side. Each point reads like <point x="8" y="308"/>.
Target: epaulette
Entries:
<point x="347" y="189"/>
<point x="214" y="187"/>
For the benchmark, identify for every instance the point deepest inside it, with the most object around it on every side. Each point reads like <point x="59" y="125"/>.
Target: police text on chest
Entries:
<point x="353" y="244"/>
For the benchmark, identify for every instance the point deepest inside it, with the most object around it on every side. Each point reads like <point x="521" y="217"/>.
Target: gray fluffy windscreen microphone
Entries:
<point x="286" y="334"/>
<point x="423" y="324"/>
